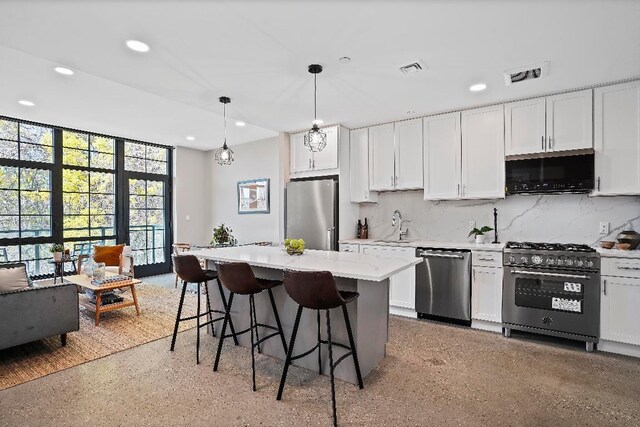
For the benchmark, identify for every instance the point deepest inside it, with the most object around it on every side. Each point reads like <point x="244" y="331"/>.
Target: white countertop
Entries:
<point x="617" y="253"/>
<point x="493" y="247"/>
<point x="340" y="264"/>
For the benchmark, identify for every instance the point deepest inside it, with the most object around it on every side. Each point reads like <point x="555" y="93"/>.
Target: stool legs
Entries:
<point x="175" y="329"/>
<point x="224" y="305"/>
<point x="277" y="317"/>
<point x="254" y="329"/>
<point x="352" y="345"/>
<point x="254" y="321"/>
<point x="198" y="328"/>
<point x="287" y="361"/>
<point x="331" y="367"/>
<point x="227" y="317"/>
<point x="319" y="344"/>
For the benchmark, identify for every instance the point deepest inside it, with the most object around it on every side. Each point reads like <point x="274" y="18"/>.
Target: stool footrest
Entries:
<point x="337" y="344"/>
<point x="266" y="338"/>
<point x="206" y="313"/>
<point x="306" y="353"/>
<point x="212" y="321"/>
<point x="341" y="358"/>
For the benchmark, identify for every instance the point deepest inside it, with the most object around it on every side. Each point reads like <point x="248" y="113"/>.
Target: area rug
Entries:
<point x="119" y="330"/>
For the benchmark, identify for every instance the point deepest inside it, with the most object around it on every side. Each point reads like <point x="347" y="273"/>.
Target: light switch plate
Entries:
<point x="604" y="228"/>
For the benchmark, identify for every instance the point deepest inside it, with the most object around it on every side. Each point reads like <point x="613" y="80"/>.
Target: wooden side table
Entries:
<point x="58" y="267"/>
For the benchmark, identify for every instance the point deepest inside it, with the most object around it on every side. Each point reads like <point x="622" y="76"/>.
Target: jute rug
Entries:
<point x="119" y="330"/>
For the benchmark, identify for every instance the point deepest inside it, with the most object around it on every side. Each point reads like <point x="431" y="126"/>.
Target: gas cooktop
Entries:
<point x="557" y="247"/>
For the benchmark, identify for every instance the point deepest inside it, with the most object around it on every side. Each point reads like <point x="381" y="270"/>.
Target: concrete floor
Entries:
<point x="434" y="374"/>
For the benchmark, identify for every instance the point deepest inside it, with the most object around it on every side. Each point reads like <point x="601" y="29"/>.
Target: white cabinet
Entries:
<point x="303" y="160"/>
<point x="619" y="314"/>
<point x="524" y="126"/>
<point x="408" y="154"/>
<point x="486" y="294"/>
<point x="402" y="286"/>
<point x="359" y="167"/>
<point x="617" y="139"/>
<point x="483" y="163"/>
<point x="381" y="158"/>
<point x="442" y="157"/>
<point x="349" y="247"/>
<point x="570" y="121"/>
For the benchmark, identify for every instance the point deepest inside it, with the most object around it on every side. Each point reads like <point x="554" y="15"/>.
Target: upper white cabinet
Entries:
<point x="553" y="123"/>
<point x="617" y="139"/>
<point x="381" y="158"/>
<point x="359" y="167"/>
<point x="303" y="160"/>
<point x="442" y="157"/>
<point x="524" y="127"/>
<point x="408" y="154"/>
<point x="483" y="166"/>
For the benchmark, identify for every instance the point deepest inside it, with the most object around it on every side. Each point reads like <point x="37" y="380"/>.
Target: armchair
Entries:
<point x="125" y="265"/>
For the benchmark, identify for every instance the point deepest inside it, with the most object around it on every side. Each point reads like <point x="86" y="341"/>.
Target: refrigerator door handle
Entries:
<point x="330" y="238"/>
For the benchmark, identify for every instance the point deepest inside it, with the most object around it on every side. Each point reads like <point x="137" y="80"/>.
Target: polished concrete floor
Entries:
<point x="434" y="374"/>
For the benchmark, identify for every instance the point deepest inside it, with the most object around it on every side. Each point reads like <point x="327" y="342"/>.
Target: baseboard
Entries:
<point x="486" y="326"/>
<point x="402" y="311"/>
<point x="619" y="348"/>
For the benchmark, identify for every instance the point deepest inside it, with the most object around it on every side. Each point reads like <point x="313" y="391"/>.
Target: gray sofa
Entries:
<point x="37" y="312"/>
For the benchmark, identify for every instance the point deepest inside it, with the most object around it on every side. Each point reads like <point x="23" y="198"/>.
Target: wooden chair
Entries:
<point x="179" y="248"/>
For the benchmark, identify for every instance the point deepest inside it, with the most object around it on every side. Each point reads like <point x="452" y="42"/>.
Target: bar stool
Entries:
<point x="317" y="290"/>
<point x="238" y="278"/>
<point x="189" y="270"/>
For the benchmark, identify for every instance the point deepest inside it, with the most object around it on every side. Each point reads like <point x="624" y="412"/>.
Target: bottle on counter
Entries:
<point x="365" y="230"/>
<point x="359" y="230"/>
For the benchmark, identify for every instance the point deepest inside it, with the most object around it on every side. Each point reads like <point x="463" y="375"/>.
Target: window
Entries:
<point x="145" y="158"/>
<point x="22" y="141"/>
<point x="146" y="221"/>
<point x="81" y="149"/>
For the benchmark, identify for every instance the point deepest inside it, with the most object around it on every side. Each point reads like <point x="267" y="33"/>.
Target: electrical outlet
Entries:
<point x="188" y="218"/>
<point x="604" y="228"/>
<point x="472" y="224"/>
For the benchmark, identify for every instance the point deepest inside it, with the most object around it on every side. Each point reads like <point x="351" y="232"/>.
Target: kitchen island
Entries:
<point x="369" y="314"/>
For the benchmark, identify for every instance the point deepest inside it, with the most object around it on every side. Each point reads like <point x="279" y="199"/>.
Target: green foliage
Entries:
<point x="57" y="247"/>
<point x="480" y="231"/>
<point x="222" y="236"/>
<point x="294" y="246"/>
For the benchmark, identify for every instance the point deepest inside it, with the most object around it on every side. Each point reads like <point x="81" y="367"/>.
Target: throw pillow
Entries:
<point x="110" y="255"/>
<point x="13" y="279"/>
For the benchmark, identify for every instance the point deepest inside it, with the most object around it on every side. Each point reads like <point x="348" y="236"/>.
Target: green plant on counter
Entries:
<point x="480" y="231"/>
<point x="294" y="246"/>
<point x="56" y="247"/>
<point x="222" y="236"/>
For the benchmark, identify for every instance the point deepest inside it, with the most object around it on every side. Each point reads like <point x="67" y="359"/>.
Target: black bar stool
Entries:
<point x="238" y="278"/>
<point x="317" y="290"/>
<point x="189" y="271"/>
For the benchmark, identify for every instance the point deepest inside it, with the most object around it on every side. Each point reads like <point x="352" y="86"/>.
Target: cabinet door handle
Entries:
<point x="550" y="142"/>
<point x="542" y="141"/>
<point x="474" y="274"/>
<point x="486" y="259"/>
<point x="309" y="163"/>
<point x="604" y="286"/>
<point x="314" y="163"/>
<point x="598" y="184"/>
<point x="365" y="194"/>
<point x="458" y="189"/>
<point x="391" y="180"/>
<point x="626" y="267"/>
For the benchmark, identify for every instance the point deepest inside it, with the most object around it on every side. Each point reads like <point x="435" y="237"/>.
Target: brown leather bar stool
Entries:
<point x="238" y="278"/>
<point x="317" y="290"/>
<point x="189" y="270"/>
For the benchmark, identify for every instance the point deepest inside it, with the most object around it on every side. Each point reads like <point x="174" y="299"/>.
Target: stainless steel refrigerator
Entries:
<point x="312" y="213"/>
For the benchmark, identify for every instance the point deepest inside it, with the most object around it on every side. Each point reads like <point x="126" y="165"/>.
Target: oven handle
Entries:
<point x="540" y="273"/>
<point x="432" y="255"/>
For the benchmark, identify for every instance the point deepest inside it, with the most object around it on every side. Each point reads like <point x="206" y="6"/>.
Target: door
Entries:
<point x="442" y="157"/>
<point x="381" y="158"/>
<point x="147" y="223"/>
<point x="408" y="154"/>
<point x="328" y="157"/>
<point x="483" y="165"/>
<point x="311" y="213"/>
<point x="486" y="294"/>
<point x="617" y="139"/>
<point x="359" y="166"/>
<point x="402" y="286"/>
<point x="570" y="121"/>
<point x="300" y="155"/>
<point x="620" y="317"/>
<point x="524" y="124"/>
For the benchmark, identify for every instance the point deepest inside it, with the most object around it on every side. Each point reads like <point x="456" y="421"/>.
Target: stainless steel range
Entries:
<point x="552" y="289"/>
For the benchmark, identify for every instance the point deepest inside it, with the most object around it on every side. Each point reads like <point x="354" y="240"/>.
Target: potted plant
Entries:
<point x="479" y="233"/>
<point x="222" y="236"/>
<point x="57" y="249"/>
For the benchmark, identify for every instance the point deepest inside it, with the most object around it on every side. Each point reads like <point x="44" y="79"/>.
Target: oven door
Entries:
<point x="555" y="300"/>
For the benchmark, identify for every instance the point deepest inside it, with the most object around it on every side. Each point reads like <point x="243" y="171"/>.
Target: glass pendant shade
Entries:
<point x="224" y="155"/>
<point x="316" y="139"/>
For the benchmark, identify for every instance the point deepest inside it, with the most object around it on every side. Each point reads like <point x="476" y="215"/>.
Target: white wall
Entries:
<point x="191" y="196"/>
<point x="267" y="158"/>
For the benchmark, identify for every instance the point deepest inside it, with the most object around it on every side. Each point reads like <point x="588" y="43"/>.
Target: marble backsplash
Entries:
<point x="543" y="218"/>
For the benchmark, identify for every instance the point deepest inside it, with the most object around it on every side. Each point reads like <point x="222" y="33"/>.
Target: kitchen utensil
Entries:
<point x="623" y="246"/>
<point x="607" y="244"/>
<point x="629" y="236"/>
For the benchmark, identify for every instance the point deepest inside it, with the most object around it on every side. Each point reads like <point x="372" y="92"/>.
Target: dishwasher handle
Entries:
<point x="440" y="255"/>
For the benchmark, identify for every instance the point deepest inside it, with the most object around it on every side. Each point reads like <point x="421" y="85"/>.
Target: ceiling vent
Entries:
<point x="413" y="68"/>
<point x="527" y="72"/>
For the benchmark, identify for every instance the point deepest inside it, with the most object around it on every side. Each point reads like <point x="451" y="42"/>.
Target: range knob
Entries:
<point x="579" y="263"/>
<point x="512" y="259"/>
<point x="524" y="260"/>
<point x="589" y="264"/>
<point x="568" y="262"/>
<point x="550" y="261"/>
<point x="536" y="259"/>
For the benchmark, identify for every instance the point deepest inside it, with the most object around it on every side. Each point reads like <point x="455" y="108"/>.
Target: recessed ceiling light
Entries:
<point x="64" y="71"/>
<point x="240" y="124"/>
<point x="478" y="87"/>
<point x="191" y="138"/>
<point x="344" y="60"/>
<point x="26" y="103"/>
<point x="137" y="45"/>
<point x="317" y="122"/>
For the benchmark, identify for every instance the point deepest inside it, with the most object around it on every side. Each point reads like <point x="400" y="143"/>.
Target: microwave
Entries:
<point x="567" y="174"/>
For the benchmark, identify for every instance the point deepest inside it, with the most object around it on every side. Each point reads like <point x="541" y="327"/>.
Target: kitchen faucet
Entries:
<point x="398" y="215"/>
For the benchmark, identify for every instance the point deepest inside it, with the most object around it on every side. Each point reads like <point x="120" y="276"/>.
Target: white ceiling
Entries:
<point x="257" y="53"/>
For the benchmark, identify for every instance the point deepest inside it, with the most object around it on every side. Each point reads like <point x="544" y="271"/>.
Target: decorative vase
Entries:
<point x="480" y="238"/>
<point x="57" y="256"/>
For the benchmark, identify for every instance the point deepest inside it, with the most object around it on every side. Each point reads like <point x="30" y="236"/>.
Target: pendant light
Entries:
<point x="316" y="139"/>
<point x="224" y="155"/>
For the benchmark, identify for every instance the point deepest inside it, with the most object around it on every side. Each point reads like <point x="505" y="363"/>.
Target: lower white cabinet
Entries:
<point x="619" y="313"/>
<point x="486" y="294"/>
<point x="349" y="247"/>
<point x="402" y="286"/>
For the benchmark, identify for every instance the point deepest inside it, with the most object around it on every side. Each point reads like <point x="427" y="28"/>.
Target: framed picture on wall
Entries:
<point x="253" y="196"/>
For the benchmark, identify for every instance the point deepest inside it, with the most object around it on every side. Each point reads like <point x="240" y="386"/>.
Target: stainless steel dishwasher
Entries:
<point x="443" y="283"/>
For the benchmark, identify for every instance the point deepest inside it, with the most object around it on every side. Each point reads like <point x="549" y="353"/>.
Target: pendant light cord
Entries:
<point x="224" y="113"/>
<point x="315" y="98"/>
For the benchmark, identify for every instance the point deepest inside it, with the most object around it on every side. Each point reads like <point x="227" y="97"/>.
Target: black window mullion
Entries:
<point x="57" y="213"/>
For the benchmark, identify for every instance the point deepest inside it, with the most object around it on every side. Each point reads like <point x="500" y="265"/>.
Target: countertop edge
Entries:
<point x="490" y="247"/>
